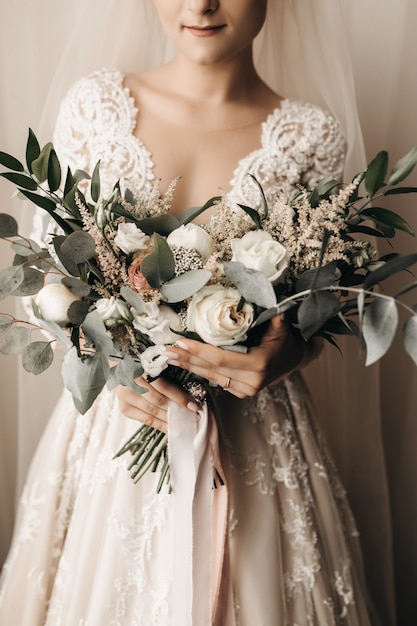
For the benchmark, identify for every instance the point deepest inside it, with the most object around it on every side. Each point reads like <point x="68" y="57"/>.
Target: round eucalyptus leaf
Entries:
<point x="8" y="225"/>
<point x="33" y="281"/>
<point x="78" y="287"/>
<point x="10" y="279"/>
<point x="253" y="285"/>
<point x="5" y="323"/>
<point x="78" y="247"/>
<point x="15" y="340"/>
<point x="184" y="286"/>
<point x="37" y="357"/>
<point x="315" y="310"/>
<point x="84" y="378"/>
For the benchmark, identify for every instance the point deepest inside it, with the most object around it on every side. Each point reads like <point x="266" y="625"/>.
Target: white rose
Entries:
<point x="54" y="301"/>
<point x="257" y="250"/>
<point x="213" y="314"/>
<point x="156" y="322"/>
<point x="130" y="238"/>
<point x="154" y="360"/>
<point x="192" y="237"/>
<point x="113" y="311"/>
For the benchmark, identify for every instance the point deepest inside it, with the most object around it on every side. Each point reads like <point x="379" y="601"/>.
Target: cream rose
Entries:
<point x="54" y="301"/>
<point x="154" y="360"/>
<point x="257" y="250"/>
<point x="130" y="238"/>
<point x="156" y="322"/>
<point x="213" y="314"/>
<point x="192" y="237"/>
<point x="113" y="311"/>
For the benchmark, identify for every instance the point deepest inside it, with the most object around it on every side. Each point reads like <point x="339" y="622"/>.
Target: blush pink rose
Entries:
<point x="137" y="280"/>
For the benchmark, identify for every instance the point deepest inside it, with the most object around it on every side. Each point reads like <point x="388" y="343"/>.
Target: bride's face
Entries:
<point x="211" y="31"/>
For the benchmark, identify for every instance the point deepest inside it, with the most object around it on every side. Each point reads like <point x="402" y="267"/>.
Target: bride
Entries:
<point x="91" y="548"/>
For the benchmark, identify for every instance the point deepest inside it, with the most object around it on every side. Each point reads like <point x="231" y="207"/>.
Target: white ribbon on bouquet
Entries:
<point x="199" y="513"/>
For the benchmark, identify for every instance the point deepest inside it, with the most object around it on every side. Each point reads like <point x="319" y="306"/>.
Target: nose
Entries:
<point x="201" y="7"/>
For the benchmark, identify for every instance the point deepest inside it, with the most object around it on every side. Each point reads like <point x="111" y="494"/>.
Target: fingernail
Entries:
<point x="181" y="344"/>
<point x="173" y="362"/>
<point x="192" y="406"/>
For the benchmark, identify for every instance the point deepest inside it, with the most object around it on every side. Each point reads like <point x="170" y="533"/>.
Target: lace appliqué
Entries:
<point x="301" y="144"/>
<point x="96" y="122"/>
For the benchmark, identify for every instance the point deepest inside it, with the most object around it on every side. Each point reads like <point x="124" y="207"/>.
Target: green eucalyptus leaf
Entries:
<point x="69" y="182"/>
<point x="326" y="277"/>
<point x="84" y="378"/>
<point x="22" y="248"/>
<point x="37" y="357"/>
<point x="52" y="327"/>
<point x="40" y="166"/>
<point x="132" y="298"/>
<point x="11" y="162"/>
<point x="33" y="150"/>
<point x="266" y="315"/>
<point x="48" y="205"/>
<point x="5" y="323"/>
<point x="184" y="286"/>
<point x="323" y="191"/>
<point x="264" y="200"/>
<point x="253" y="214"/>
<point x="315" y="310"/>
<point x="376" y="172"/>
<point x="67" y="263"/>
<point x="394" y="265"/>
<point x="77" y="286"/>
<point x="162" y="224"/>
<point x="96" y="332"/>
<point x="159" y="266"/>
<point x="379" y="324"/>
<point x="190" y="214"/>
<point x="8" y="226"/>
<point x="32" y="282"/>
<point x="54" y="171"/>
<point x="15" y="340"/>
<point x="77" y="312"/>
<point x="10" y="279"/>
<point x="125" y="373"/>
<point x="253" y="285"/>
<point x="391" y="219"/>
<point x="95" y="183"/>
<point x="399" y="190"/>
<point x="21" y="180"/>
<point x="78" y="247"/>
<point x="403" y="167"/>
<point x="410" y="337"/>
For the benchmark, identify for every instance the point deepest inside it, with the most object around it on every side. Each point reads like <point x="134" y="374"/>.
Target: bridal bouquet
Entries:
<point x="119" y="279"/>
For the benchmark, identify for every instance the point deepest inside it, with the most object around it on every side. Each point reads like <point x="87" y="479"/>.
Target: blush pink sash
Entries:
<point x="200" y="517"/>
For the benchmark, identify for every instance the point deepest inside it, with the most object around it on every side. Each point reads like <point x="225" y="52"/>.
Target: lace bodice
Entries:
<point x="299" y="142"/>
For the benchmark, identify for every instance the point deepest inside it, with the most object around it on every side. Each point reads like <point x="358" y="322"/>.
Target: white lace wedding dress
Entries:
<point x="93" y="549"/>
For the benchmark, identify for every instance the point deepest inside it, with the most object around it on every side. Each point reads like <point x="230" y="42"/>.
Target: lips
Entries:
<point x="204" y="31"/>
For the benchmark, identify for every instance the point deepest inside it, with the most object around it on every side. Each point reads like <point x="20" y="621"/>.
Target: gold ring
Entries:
<point x="227" y="384"/>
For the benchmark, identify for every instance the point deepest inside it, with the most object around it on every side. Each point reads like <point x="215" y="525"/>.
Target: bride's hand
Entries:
<point x="151" y="407"/>
<point x="279" y="353"/>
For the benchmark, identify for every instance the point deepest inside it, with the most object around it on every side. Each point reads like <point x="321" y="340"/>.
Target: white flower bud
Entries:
<point x="54" y="301"/>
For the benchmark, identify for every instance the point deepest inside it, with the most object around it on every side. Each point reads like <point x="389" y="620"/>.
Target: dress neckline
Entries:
<point x="269" y="121"/>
